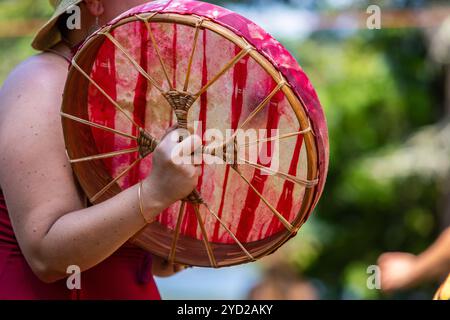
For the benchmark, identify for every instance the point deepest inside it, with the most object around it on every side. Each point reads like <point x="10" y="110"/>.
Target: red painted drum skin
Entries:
<point x="199" y="40"/>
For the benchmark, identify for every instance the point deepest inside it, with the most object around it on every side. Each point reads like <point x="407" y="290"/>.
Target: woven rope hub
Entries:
<point x="181" y="103"/>
<point x="180" y="62"/>
<point x="147" y="144"/>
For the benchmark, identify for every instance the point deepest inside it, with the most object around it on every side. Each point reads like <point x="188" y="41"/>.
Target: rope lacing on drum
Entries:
<point x="195" y="198"/>
<point x="147" y="144"/>
<point x="181" y="103"/>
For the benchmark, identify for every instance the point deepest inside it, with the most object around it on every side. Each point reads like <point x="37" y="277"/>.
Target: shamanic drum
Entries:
<point x="169" y="62"/>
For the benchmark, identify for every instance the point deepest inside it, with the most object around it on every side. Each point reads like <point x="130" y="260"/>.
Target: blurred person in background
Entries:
<point x="283" y="283"/>
<point x="400" y="270"/>
<point x="281" y="279"/>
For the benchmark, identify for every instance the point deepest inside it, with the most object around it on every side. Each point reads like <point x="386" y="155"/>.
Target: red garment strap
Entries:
<point x="68" y="59"/>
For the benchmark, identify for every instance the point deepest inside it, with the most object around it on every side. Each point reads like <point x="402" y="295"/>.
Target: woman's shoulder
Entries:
<point x="42" y="69"/>
<point x="40" y="78"/>
<point x="32" y="93"/>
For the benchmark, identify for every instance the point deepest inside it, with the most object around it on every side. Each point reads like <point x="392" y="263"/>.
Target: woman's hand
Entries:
<point x="398" y="271"/>
<point x="163" y="269"/>
<point x="174" y="175"/>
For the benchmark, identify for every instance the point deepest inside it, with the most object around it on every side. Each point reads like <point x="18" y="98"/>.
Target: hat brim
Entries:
<point x="49" y="35"/>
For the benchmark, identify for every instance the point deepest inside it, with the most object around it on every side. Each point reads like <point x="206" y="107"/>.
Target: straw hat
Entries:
<point x="49" y="34"/>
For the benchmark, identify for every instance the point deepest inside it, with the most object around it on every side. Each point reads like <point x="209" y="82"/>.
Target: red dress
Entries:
<point x="126" y="275"/>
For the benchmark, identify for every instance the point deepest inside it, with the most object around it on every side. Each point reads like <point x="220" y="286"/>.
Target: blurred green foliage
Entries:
<point x="377" y="88"/>
<point x="12" y="52"/>
<point x="13" y="9"/>
<point x="15" y="50"/>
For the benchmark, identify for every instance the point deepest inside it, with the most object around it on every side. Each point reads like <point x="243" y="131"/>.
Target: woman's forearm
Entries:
<point x="51" y="225"/>
<point x="435" y="261"/>
<point x="86" y="237"/>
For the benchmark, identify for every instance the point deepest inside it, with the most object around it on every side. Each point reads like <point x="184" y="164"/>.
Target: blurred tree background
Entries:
<point x="18" y="21"/>
<point x="385" y="101"/>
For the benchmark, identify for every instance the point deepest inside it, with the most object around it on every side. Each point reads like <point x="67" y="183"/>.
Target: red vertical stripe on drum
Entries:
<point x="259" y="179"/>
<point x="191" y="217"/>
<point x="174" y="63"/>
<point x="217" y="226"/>
<point x="165" y="217"/>
<point x="240" y="75"/>
<point x="140" y="100"/>
<point x="174" y="54"/>
<point x="102" y="111"/>
<point x="286" y="200"/>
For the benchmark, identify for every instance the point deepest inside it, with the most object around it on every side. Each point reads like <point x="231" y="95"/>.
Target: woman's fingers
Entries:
<point x="176" y="165"/>
<point x="179" y="267"/>
<point x="171" y="139"/>
<point x="189" y="145"/>
<point x="188" y="152"/>
<point x="198" y="171"/>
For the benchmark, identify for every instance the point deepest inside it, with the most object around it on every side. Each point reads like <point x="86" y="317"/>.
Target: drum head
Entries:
<point x="223" y="77"/>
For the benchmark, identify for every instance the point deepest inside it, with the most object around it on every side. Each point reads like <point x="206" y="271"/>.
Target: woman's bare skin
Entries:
<point x="46" y="208"/>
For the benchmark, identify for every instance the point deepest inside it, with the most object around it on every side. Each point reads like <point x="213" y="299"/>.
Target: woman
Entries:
<point x="45" y="226"/>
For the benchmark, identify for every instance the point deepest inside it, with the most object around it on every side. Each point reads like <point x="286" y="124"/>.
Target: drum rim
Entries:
<point x="295" y="101"/>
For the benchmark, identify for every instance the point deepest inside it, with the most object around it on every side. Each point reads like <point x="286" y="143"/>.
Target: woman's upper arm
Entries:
<point x="35" y="174"/>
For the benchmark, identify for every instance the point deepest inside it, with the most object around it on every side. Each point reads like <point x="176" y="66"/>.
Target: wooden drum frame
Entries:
<point x="99" y="185"/>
